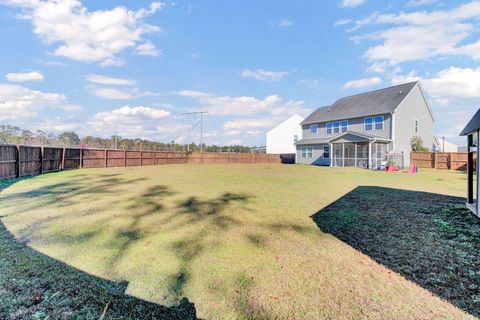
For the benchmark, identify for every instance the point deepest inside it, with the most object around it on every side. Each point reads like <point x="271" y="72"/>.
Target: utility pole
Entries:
<point x="201" y="113"/>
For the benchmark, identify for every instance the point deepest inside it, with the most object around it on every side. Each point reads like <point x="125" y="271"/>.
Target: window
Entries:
<point x="336" y="127"/>
<point x="415" y="125"/>
<point x="326" y="151"/>
<point x="379" y="123"/>
<point x="368" y="122"/>
<point x="313" y="128"/>
<point x="295" y="139"/>
<point x="329" y="127"/>
<point x="307" y="152"/>
<point x="344" y="125"/>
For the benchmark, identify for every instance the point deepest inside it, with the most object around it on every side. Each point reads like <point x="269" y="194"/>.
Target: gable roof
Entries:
<point x="380" y="101"/>
<point x="472" y="125"/>
<point x="366" y="136"/>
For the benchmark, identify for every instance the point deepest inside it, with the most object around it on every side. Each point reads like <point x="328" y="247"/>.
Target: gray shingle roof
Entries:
<point x="472" y="125"/>
<point x="380" y="101"/>
<point x="367" y="136"/>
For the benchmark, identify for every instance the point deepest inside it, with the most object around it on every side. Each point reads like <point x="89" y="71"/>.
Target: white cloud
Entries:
<point x="17" y="102"/>
<point x="136" y="122"/>
<point x="99" y="79"/>
<point x="148" y="49"/>
<point x="24" y="76"/>
<point x="351" y="3"/>
<point x="420" y="3"/>
<point x="246" y="124"/>
<point x="114" y="94"/>
<point x="119" y="93"/>
<point x="260" y="74"/>
<point x="362" y="83"/>
<point x="452" y="85"/>
<point x="286" y="23"/>
<point x="83" y="35"/>
<point x="422" y="35"/>
<point x="244" y="105"/>
<point x="342" y="22"/>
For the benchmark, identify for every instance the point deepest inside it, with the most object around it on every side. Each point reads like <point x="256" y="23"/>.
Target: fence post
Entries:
<point x="141" y="158"/>
<point x="154" y="153"/>
<point x="63" y="159"/>
<point x="124" y="157"/>
<point x="174" y="157"/>
<point x="41" y="159"/>
<point x="105" y="155"/>
<point x="17" y="164"/>
<point x="450" y="160"/>
<point x="81" y="159"/>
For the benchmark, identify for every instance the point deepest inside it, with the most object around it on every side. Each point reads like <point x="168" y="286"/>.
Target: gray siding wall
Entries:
<point x="317" y="158"/>
<point x="354" y="124"/>
<point x="413" y="107"/>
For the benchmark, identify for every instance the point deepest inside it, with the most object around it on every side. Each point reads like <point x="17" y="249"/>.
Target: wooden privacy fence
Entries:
<point x="19" y="161"/>
<point x="233" y="157"/>
<point x="440" y="160"/>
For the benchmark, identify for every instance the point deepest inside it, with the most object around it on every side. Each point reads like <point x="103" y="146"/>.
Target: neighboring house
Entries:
<point x="444" y="145"/>
<point x="283" y="137"/>
<point x="366" y="129"/>
<point x="472" y="131"/>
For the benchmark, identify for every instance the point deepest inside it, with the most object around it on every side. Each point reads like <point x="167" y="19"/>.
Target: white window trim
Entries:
<point x="316" y="128"/>
<point x="365" y="124"/>
<point x="305" y="150"/>
<point x="375" y="122"/>
<point x="331" y="128"/>
<point x="331" y="124"/>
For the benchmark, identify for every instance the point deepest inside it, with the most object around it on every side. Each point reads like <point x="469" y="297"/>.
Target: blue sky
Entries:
<point x="133" y="67"/>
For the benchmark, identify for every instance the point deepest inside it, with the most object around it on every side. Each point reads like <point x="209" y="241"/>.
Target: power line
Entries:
<point x="201" y="113"/>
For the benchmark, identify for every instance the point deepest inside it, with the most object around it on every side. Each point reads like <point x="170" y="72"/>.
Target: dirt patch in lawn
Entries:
<point x="33" y="285"/>
<point x="428" y="238"/>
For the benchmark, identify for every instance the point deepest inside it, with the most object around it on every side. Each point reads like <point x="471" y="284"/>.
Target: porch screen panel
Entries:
<point x="362" y="155"/>
<point x="349" y="154"/>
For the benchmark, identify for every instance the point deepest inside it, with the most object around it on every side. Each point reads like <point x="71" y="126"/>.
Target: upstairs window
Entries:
<point x="313" y="128"/>
<point x="415" y="125"/>
<point x="368" y="122"/>
<point x="329" y="127"/>
<point x="336" y="127"/>
<point x="295" y="139"/>
<point x="379" y="123"/>
<point x="344" y="125"/>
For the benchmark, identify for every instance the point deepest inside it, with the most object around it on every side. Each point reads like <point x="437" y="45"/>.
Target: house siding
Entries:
<point x="317" y="158"/>
<point x="354" y="124"/>
<point x="413" y="107"/>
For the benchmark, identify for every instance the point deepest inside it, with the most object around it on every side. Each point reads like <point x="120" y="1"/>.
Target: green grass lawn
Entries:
<point x="236" y="240"/>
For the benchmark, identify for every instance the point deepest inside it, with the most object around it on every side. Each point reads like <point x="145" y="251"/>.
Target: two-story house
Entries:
<point x="363" y="130"/>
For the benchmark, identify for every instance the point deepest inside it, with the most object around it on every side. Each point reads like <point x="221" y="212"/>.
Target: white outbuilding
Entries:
<point x="283" y="137"/>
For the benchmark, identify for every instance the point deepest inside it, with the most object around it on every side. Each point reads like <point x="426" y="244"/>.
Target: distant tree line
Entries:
<point x="17" y="135"/>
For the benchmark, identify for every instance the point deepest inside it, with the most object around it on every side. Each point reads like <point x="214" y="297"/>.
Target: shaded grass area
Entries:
<point x="428" y="238"/>
<point x="35" y="286"/>
<point x="237" y="240"/>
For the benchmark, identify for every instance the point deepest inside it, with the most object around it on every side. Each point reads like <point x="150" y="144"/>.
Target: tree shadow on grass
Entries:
<point x="33" y="285"/>
<point x="430" y="239"/>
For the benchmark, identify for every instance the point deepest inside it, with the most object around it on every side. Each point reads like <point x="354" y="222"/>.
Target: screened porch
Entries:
<point x="359" y="154"/>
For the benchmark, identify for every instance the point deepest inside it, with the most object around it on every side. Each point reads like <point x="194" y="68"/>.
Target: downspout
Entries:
<point x="370" y="153"/>
<point x="331" y="154"/>
<point x="392" y="128"/>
